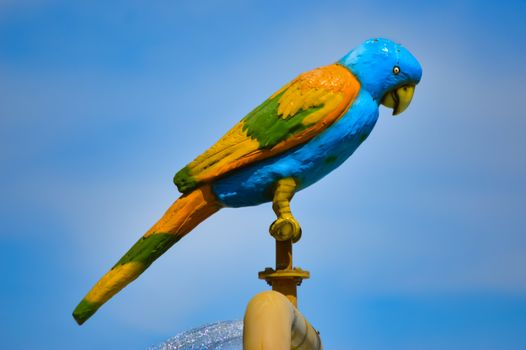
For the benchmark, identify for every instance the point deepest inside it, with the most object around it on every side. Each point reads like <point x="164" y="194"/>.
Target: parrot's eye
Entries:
<point x="396" y="70"/>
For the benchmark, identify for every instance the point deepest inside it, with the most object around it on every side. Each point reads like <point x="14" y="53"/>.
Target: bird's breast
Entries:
<point x="307" y="163"/>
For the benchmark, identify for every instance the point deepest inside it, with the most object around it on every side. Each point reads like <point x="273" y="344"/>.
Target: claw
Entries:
<point x="285" y="228"/>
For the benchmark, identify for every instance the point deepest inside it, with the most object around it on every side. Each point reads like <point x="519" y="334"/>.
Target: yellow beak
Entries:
<point x="399" y="99"/>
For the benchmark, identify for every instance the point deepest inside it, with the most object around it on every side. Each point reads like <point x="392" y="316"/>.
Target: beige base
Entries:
<point x="273" y="323"/>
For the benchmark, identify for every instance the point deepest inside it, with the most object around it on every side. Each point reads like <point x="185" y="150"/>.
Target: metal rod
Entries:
<point x="286" y="286"/>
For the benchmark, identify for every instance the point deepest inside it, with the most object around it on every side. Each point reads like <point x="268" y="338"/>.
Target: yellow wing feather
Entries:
<point x="326" y="93"/>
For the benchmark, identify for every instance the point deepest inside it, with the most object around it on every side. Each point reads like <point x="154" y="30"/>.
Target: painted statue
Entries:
<point x="297" y="136"/>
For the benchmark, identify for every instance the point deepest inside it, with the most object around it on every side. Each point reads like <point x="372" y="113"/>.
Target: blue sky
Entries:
<point x="416" y="242"/>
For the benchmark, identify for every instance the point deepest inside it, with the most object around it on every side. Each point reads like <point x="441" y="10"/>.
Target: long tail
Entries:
<point x="185" y="213"/>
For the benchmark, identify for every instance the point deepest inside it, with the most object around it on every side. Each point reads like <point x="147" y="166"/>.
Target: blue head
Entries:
<point x="388" y="71"/>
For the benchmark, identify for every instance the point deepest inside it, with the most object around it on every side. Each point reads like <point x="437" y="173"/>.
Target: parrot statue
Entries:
<point x="298" y="135"/>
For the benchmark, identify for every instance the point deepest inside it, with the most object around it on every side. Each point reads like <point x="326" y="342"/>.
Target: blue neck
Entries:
<point x="363" y="68"/>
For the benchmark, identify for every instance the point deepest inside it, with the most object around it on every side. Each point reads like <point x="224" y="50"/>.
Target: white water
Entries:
<point x="225" y="335"/>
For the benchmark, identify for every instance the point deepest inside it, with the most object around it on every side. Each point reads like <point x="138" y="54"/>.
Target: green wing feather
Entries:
<point x="292" y="116"/>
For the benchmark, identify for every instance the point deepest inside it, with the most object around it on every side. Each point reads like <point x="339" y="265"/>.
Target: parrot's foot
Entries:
<point x="285" y="228"/>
